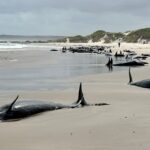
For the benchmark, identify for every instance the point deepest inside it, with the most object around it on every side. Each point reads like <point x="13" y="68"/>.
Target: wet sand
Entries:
<point x="122" y="125"/>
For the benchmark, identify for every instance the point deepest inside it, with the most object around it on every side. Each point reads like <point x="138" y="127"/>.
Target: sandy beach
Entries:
<point x="122" y="125"/>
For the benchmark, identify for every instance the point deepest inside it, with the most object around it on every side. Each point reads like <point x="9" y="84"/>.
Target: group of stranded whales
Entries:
<point x="18" y="110"/>
<point x="128" y="58"/>
<point x="128" y="63"/>
<point x="133" y="62"/>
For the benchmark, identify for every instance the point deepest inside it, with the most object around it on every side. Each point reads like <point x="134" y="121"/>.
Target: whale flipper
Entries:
<point x="11" y="105"/>
<point x="130" y="77"/>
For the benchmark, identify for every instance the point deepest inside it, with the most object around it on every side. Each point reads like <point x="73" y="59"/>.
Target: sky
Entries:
<point x="72" y="17"/>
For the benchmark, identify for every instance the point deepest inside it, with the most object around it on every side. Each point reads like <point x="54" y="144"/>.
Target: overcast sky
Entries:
<point x="72" y="17"/>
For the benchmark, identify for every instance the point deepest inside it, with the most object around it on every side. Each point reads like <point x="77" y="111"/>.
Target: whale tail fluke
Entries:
<point x="130" y="77"/>
<point x="81" y="99"/>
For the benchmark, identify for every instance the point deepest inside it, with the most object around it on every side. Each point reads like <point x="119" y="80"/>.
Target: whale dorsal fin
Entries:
<point x="81" y="99"/>
<point x="111" y="61"/>
<point x="80" y="93"/>
<point x="130" y="77"/>
<point x="11" y="105"/>
<point x="83" y="102"/>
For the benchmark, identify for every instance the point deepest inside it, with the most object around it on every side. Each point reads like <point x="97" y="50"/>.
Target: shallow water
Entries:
<point x="55" y="75"/>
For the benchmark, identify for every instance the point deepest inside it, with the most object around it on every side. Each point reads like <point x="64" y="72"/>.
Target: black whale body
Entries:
<point x="20" y="109"/>
<point x="27" y="108"/>
<point x="143" y="83"/>
<point x="131" y="63"/>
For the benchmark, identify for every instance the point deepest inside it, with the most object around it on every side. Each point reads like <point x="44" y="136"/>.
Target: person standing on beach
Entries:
<point x="119" y="42"/>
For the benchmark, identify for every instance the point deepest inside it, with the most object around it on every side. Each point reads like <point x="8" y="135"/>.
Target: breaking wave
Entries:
<point x="11" y="46"/>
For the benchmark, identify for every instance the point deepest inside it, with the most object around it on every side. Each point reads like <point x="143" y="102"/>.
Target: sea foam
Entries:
<point x="11" y="46"/>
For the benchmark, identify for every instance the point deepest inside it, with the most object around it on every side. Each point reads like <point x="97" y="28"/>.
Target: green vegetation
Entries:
<point x="60" y="40"/>
<point x="78" y="39"/>
<point x="134" y="36"/>
<point x="96" y="36"/>
<point x="113" y="37"/>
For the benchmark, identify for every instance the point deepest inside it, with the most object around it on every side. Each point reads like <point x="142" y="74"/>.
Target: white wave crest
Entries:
<point x="11" y="46"/>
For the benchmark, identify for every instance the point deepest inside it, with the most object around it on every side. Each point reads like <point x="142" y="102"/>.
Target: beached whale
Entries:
<point x="110" y="62"/>
<point x="142" y="83"/>
<point x="131" y="63"/>
<point x="119" y="55"/>
<point x="134" y="63"/>
<point x="140" y="57"/>
<point x="20" y="109"/>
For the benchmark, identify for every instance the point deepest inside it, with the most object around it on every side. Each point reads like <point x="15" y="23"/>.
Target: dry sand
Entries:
<point x="122" y="125"/>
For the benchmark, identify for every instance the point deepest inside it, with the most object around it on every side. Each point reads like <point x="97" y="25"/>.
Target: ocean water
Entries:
<point x="11" y="46"/>
<point x="21" y="47"/>
<point x="24" y="38"/>
<point x="54" y="76"/>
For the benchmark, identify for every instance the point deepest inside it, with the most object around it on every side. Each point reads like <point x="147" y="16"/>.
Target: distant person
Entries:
<point x="119" y="44"/>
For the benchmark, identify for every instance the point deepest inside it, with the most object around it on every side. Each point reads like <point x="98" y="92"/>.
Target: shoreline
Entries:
<point x="127" y="117"/>
<point x="122" y="125"/>
<point x="124" y="45"/>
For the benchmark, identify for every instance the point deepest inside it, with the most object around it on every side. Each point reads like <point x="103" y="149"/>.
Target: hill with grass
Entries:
<point x="140" y="35"/>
